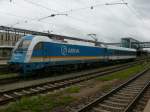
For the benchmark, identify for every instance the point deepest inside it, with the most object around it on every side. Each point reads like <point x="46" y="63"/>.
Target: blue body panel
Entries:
<point x="50" y="49"/>
<point x="58" y="49"/>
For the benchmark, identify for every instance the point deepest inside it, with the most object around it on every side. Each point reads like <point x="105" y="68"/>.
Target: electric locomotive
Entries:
<point x="34" y="52"/>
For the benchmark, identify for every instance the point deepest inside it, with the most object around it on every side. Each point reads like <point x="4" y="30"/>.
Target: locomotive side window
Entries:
<point x="38" y="46"/>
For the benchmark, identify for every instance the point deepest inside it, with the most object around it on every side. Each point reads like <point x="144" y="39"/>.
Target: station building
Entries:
<point x="7" y="43"/>
<point x="129" y="42"/>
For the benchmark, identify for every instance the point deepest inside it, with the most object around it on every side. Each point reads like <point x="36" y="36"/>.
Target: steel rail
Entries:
<point x="113" y="92"/>
<point x="134" y="102"/>
<point x="7" y="96"/>
<point x="10" y="80"/>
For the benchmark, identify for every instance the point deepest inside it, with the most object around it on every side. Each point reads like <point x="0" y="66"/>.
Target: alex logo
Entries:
<point x="66" y="51"/>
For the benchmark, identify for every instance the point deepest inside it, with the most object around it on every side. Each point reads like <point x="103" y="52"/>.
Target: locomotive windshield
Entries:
<point x="23" y="45"/>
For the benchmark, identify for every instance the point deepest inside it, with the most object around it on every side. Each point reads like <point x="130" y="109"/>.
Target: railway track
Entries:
<point x="142" y="102"/>
<point x="123" y="98"/>
<point x="10" y="80"/>
<point x="17" y="78"/>
<point x="8" y="96"/>
<point x="4" y="68"/>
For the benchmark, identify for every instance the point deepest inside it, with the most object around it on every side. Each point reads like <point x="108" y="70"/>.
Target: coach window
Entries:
<point x="38" y="46"/>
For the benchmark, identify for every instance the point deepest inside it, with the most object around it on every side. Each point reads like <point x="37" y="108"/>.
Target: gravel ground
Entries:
<point x="147" y="108"/>
<point x="89" y="91"/>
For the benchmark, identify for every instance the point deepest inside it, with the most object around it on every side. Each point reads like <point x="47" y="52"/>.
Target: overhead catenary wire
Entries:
<point x="72" y="10"/>
<point x="65" y="12"/>
<point x="90" y="7"/>
<point x="93" y="6"/>
<point x="39" y="5"/>
<point x="58" y="12"/>
<point x="135" y="13"/>
<point x="75" y="18"/>
<point x="122" y="21"/>
<point x="25" y="19"/>
<point x="83" y="8"/>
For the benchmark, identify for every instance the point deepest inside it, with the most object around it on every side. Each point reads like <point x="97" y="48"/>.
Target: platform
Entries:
<point x="147" y="108"/>
<point x="3" y="62"/>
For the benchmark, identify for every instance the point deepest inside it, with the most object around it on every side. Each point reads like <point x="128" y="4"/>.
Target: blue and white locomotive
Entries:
<point x="34" y="52"/>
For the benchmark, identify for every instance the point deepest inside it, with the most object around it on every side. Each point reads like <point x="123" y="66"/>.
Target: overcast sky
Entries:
<point x="109" y="22"/>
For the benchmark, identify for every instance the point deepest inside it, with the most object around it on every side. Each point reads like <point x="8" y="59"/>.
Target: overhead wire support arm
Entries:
<point x="52" y="15"/>
<point x="125" y="3"/>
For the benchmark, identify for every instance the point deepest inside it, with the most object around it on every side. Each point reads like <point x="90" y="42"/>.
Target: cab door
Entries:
<point x="45" y="52"/>
<point x="38" y="53"/>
